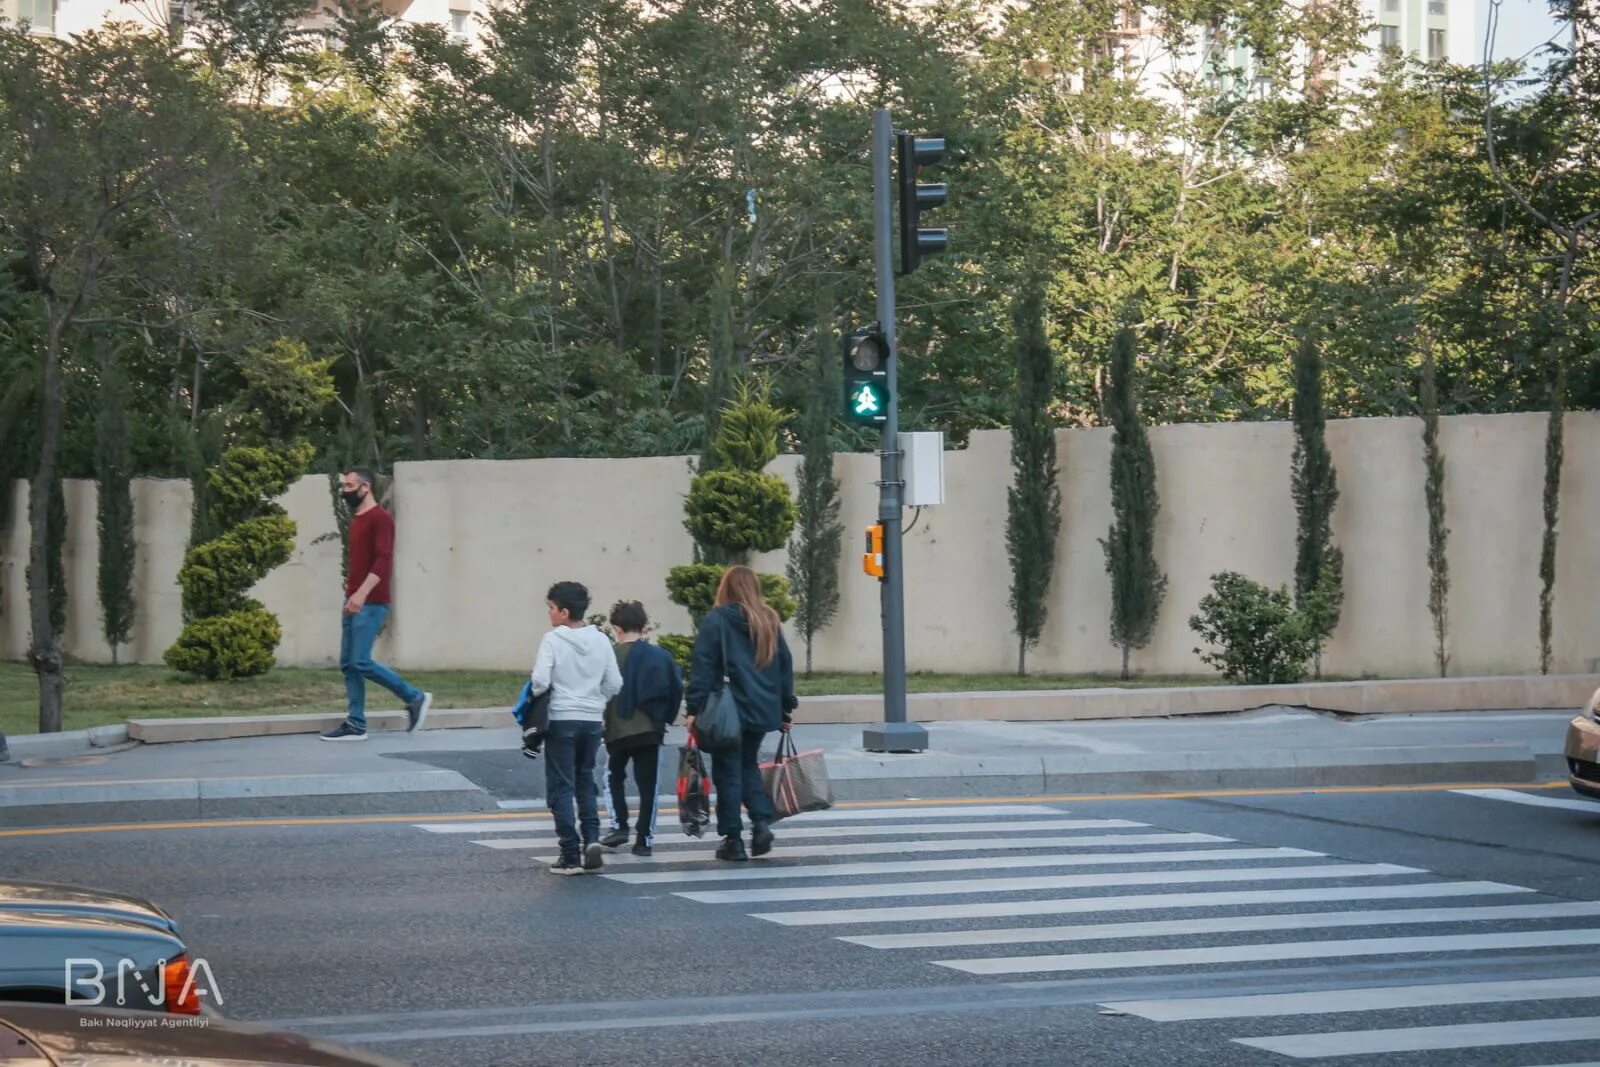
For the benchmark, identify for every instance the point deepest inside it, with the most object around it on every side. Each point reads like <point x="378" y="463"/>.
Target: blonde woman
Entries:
<point x="741" y="646"/>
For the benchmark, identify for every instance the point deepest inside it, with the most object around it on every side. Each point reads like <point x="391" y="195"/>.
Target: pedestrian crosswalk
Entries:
<point x="1034" y="892"/>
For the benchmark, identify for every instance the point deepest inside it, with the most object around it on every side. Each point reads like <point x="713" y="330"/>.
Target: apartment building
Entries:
<point x="75" y="16"/>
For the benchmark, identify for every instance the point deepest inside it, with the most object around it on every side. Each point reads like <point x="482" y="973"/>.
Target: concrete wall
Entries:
<point x="479" y="541"/>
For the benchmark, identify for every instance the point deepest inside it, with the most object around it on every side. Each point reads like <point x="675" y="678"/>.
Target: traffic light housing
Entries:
<point x="872" y="559"/>
<point x="916" y="241"/>
<point x="866" y="376"/>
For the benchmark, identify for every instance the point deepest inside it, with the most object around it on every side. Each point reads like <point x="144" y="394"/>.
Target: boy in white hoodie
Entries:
<point x="577" y="665"/>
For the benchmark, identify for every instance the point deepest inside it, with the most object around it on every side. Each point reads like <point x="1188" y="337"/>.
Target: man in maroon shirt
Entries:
<point x="366" y="607"/>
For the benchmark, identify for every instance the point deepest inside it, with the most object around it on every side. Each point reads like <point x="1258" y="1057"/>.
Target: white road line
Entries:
<point x="1428" y="1038"/>
<point x="1295" y="950"/>
<point x="769" y="872"/>
<point x="1377" y="998"/>
<point x="890" y="848"/>
<point x="1027" y="935"/>
<point x="1514" y="797"/>
<point x="788" y="831"/>
<point x="954" y="812"/>
<point x="806" y="819"/>
<point x="1141" y="902"/>
<point x="1057" y="881"/>
<point x="488" y="826"/>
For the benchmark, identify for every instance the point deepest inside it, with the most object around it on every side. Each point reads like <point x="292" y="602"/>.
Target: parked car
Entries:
<point x="38" y="1035"/>
<point x="1583" y="750"/>
<point x="55" y="937"/>
<point x="49" y="896"/>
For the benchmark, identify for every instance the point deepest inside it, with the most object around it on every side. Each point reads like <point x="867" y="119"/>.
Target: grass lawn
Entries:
<point x="98" y="695"/>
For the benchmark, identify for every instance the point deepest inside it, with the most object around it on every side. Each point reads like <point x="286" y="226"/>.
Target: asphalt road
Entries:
<point x="1425" y="928"/>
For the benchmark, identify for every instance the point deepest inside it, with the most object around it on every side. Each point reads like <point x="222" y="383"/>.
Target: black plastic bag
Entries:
<point x="694" y="790"/>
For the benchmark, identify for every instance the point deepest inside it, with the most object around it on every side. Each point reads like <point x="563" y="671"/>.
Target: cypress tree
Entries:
<point x="1554" y="454"/>
<point x="1318" y="565"/>
<point x="114" y="475"/>
<point x="1438" y="532"/>
<point x="1033" y="518"/>
<point x="1137" y="584"/>
<point x="814" y="553"/>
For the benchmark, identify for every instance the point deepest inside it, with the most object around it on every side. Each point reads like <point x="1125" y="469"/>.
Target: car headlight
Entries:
<point x="1592" y="712"/>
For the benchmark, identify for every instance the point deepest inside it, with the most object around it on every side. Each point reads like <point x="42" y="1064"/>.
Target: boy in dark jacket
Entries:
<point x="636" y="724"/>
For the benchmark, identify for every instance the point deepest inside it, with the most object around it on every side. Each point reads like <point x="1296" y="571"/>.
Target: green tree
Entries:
<point x="1318" y="564"/>
<point x="114" y="478"/>
<point x="1433" y="496"/>
<point x="227" y="634"/>
<point x="1033" y="503"/>
<point x="814" y="552"/>
<point x="114" y="153"/>
<point x="1137" y="583"/>
<point x="737" y="508"/>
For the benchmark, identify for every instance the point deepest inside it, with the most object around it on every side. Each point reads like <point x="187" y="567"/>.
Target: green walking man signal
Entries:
<point x="866" y="376"/>
<point x="867" y="402"/>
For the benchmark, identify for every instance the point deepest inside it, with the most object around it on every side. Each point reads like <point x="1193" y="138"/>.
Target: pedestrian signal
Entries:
<point x="866" y="376"/>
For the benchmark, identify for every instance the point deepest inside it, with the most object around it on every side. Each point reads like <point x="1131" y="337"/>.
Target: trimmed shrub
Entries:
<point x="1260" y="638"/>
<point x="226" y="634"/>
<point x="740" y="511"/>
<point x="236" y="645"/>
<point x="694" y="586"/>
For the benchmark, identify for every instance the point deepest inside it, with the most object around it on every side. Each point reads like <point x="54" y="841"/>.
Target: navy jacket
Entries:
<point x="652" y="687"/>
<point x="766" y="695"/>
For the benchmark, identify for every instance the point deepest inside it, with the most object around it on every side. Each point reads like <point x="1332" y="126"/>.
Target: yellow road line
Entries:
<point x="490" y="817"/>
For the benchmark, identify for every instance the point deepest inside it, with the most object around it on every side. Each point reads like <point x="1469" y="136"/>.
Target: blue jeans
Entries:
<point x="737" y="775"/>
<point x="355" y="660"/>
<point x="570" y="750"/>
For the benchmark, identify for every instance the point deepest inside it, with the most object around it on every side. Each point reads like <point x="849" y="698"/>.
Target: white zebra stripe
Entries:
<point x="1429" y="1038"/>
<point x="1059" y="881"/>
<point x="1378" y="998"/>
<point x="765" y="872"/>
<point x="876" y="848"/>
<point x="1140" y="902"/>
<point x="1294" y="950"/>
<point x="1025" y="935"/>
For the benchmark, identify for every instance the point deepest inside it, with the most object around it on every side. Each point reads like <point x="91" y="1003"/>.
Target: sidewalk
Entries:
<point x="483" y="770"/>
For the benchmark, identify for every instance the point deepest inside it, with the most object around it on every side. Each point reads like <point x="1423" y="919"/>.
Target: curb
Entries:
<point x="1410" y="696"/>
<point x="870" y="778"/>
<point x="853" y="777"/>
<point x="68" y="743"/>
<point x="403" y="793"/>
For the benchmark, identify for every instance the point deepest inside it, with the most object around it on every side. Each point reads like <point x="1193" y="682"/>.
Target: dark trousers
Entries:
<point x="569" y="755"/>
<point x="646" y="760"/>
<point x="737" y="776"/>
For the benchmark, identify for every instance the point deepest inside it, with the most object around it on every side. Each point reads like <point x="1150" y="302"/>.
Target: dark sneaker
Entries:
<point x="418" y="713"/>
<point x="732" y="850"/>
<point x="566" y="865"/>
<point x="594" y="857"/>
<point x="760" y="838"/>
<point x="640" y="849"/>
<point x="532" y="742"/>
<point x="345" y="732"/>
<point x="615" y="838"/>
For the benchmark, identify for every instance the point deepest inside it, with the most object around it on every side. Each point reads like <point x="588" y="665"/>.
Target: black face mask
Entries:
<point x="352" y="497"/>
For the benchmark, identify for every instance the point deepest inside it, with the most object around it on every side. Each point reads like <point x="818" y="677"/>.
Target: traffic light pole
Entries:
<point x="894" y="734"/>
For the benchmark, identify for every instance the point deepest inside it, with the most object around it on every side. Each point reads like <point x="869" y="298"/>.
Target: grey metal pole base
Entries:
<point x="895" y="737"/>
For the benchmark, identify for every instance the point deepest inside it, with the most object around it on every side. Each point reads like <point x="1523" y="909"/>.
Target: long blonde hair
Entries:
<point x="740" y="587"/>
